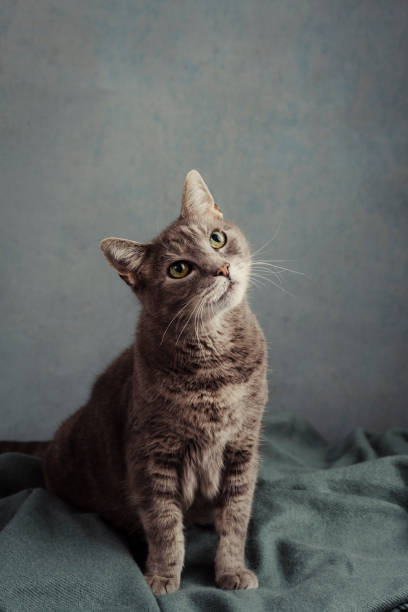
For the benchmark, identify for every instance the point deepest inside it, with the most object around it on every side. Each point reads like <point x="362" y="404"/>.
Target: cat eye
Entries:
<point x="179" y="269"/>
<point x="218" y="239"/>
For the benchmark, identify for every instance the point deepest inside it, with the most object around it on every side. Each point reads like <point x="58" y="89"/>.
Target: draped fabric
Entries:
<point x="329" y="533"/>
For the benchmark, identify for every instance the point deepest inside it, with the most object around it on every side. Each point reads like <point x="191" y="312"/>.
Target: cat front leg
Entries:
<point x="162" y="523"/>
<point x="231" y="519"/>
<point x="162" y="520"/>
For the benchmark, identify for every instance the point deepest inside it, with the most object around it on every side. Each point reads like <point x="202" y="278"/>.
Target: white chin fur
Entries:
<point x="228" y="297"/>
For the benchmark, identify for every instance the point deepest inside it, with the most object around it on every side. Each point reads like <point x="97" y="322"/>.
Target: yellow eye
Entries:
<point x="179" y="269"/>
<point x="217" y="239"/>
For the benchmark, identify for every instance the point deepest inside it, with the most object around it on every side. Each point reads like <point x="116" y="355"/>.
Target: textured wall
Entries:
<point x="296" y="115"/>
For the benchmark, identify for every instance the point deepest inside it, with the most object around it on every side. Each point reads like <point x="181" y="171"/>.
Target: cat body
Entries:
<point x="170" y="433"/>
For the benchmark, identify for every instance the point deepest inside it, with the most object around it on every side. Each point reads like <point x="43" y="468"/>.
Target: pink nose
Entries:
<point x="223" y="271"/>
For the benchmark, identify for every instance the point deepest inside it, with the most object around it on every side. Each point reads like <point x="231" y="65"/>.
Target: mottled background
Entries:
<point x="296" y="114"/>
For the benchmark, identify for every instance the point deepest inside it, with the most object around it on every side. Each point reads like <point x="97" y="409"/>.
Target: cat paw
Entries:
<point x="241" y="578"/>
<point x="161" y="585"/>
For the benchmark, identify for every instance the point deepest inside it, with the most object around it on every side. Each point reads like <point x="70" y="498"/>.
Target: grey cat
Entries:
<point x="170" y="433"/>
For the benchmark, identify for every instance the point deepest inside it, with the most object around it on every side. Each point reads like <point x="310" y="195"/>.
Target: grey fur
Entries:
<point x="170" y="433"/>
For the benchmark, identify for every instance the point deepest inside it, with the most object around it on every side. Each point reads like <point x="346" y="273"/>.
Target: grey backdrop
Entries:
<point x="296" y="115"/>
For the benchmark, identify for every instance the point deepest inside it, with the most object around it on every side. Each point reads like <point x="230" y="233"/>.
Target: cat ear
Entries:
<point x="125" y="256"/>
<point x="197" y="198"/>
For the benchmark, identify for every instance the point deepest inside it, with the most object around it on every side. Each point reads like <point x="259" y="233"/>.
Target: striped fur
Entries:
<point x="171" y="430"/>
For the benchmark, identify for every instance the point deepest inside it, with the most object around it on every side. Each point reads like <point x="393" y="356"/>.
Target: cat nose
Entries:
<point x="224" y="270"/>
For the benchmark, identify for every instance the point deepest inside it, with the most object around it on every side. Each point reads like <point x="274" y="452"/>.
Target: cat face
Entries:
<point x="196" y="268"/>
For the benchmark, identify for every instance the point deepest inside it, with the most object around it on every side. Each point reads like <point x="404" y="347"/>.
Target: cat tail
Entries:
<point x="29" y="448"/>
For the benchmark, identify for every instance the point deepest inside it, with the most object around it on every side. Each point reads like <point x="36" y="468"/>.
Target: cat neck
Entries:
<point x="180" y="343"/>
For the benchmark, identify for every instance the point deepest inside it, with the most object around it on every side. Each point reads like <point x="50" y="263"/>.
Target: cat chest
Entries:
<point x="210" y="419"/>
<point x="216" y="412"/>
<point x="201" y="473"/>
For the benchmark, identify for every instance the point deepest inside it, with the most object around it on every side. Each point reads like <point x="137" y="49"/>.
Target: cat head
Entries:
<point x="197" y="267"/>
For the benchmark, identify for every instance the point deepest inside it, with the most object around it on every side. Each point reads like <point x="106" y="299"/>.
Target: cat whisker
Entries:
<point x="189" y="318"/>
<point x="253" y="283"/>
<point x="268" y="270"/>
<point x="175" y="317"/>
<point x="269" y="264"/>
<point x="185" y="325"/>
<point x="214" y="351"/>
<point x="187" y="322"/>
<point x="269" y="280"/>
<point x="217" y="354"/>
<point x="256" y="283"/>
<point x="198" y="326"/>
<point x="270" y="239"/>
<point x="258" y="279"/>
<point x="275" y="260"/>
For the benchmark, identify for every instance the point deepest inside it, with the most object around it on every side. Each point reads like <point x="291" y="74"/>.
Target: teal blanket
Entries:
<point x="329" y="533"/>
